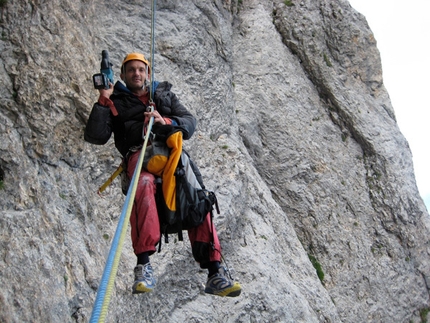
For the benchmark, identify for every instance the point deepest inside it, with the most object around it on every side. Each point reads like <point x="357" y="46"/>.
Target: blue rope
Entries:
<point x="152" y="78"/>
<point x="107" y="273"/>
<point x="101" y="304"/>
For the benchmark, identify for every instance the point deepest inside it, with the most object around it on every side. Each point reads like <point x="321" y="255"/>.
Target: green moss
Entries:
<point x="423" y="314"/>
<point x="3" y="3"/>
<point x="317" y="267"/>
<point x="327" y="60"/>
<point x="288" y="3"/>
<point x="1" y="185"/>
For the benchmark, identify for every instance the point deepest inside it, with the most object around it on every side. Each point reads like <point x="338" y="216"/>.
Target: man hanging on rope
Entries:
<point x="122" y="110"/>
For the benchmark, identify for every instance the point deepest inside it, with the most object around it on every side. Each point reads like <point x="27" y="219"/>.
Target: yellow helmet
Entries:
<point x="134" y="57"/>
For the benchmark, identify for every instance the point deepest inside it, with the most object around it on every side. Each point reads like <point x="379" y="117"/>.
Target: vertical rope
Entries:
<point x="153" y="10"/>
<point x="104" y="292"/>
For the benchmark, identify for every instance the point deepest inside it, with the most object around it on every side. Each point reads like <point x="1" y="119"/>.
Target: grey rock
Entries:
<point x="296" y="135"/>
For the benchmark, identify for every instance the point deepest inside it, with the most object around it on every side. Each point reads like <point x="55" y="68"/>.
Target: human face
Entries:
<point x="135" y="75"/>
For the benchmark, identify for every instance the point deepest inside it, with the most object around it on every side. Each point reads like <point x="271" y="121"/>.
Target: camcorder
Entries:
<point x="102" y="79"/>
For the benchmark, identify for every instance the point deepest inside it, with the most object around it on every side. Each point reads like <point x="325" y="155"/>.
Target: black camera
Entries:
<point x="102" y="80"/>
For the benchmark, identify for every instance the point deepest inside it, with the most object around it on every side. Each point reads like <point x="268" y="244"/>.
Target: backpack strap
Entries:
<point x="180" y="178"/>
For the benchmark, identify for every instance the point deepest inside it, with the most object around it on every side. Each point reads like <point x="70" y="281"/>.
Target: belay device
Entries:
<point x="101" y="80"/>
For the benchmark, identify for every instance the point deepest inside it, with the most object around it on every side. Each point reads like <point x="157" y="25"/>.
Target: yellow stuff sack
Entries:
<point x="156" y="157"/>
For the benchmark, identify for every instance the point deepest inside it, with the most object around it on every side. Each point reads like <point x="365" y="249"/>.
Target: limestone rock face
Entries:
<point x="321" y="218"/>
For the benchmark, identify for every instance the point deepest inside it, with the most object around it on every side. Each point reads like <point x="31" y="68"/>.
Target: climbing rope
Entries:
<point x="151" y="77"/>
<point x="151" y="95"/>
<point x="104" y="291"/>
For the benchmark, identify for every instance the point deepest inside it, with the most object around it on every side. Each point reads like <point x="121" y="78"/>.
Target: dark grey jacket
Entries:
<point x="127" y="126"/>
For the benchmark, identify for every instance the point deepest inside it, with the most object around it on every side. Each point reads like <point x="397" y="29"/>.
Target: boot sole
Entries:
<point x="233" y="291"/>
<point x="140" y="288"/>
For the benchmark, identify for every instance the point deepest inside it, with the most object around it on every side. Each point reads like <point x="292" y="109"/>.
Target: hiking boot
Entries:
<point x="219" y="284"/>
<point x="144" y="280"/>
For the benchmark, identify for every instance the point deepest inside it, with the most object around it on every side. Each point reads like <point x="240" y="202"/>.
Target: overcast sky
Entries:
<point x="402" y="32"/>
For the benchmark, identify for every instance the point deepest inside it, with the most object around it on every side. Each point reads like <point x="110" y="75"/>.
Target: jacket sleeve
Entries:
<point x="168" y="105"/>
<point x="99" y="125"/>
<point x="183" y="118"/>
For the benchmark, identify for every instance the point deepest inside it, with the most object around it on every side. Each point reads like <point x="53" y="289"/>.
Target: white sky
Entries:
<point x="402" y="32"/>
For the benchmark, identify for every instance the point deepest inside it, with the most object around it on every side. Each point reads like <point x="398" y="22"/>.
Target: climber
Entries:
<point x="123" y="111"/>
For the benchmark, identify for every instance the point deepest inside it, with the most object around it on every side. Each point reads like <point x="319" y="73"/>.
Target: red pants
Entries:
<point x="145" y="224"/>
